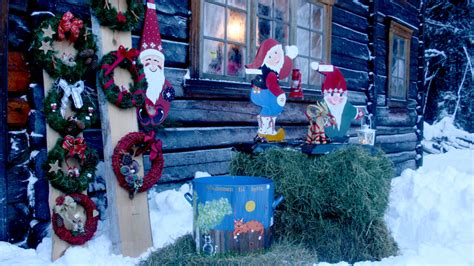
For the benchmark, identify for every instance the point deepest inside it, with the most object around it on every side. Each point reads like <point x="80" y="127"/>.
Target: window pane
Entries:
<point x="264" y="8"/>
<point x="316" y="17"/>
<point x="302" y="41"/>
<point x="282" y="10"/>
<point x="315" y="78"/>
<point x="401" y="50"/>
<point x="236" y="26"/>
<point x="303" y="13"/>
<point x="235" y="62"/>
<point x="394" y="47"/>
<point x="213" y="53"/>
<point x="281" y="33"/>
<point x="316" y="45"/>
<point x="263" y="30"/>
<point x="394" y="69"/>
<point x="238" y="3"/>
<point x="302" y="64"/>
<point x="401" y="69"/>
<point x="214" y="20"/>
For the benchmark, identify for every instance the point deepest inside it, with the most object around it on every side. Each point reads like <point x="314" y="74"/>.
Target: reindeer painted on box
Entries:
<point x="251" y="226"/>
<point x="319" y="117"/>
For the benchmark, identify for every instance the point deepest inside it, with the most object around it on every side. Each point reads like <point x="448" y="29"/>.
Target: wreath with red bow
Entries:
<point x="109" y="17"/>
<point x="57" y="101"/>
<point x="67" y="66"/>
<point x="74" y="179"/>
<point x="121" y="97"/>
<point x="65" y="214"/>
<point x="126" y="169"/>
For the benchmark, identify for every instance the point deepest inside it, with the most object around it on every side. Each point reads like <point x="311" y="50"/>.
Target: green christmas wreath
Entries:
<point x="55" y="104"/>
<point x="74" y="180"/>
<point x="109" y="17"/>
<point x="67" y="66"/>
<point x="121" y="97"/>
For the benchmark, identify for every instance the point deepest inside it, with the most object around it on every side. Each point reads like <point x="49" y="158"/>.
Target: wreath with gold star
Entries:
<point x="68" y="66"/>
<point x="121" y="96"/>
<point x="57" y="101"/>
<point x="72" y="224"/>
<point x="74" y="179"/>
<point x="109" y="17"/>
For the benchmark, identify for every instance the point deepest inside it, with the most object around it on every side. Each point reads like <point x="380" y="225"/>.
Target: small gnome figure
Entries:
<point x="271" y="65"/>
<point x="159" y="93"/>
<point x="335" y="94"/>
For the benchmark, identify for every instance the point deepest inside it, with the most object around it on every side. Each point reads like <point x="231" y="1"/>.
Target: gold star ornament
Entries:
<point x="48" y="32"/>
<point x="45" y="47"/>
<point x="54" y="167"/>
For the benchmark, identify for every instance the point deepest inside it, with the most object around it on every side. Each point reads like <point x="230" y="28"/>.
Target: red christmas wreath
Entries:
<point x="65" y="214"/>
<point x="126" y="169"/>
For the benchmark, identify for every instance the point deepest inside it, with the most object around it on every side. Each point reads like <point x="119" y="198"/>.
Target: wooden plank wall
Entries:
<point x="3" y="119"/>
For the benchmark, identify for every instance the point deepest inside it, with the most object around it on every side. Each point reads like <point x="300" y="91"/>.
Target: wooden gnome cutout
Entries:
<point x="159" y="93"/>
<point x="270" y="64"/>
<point x="334" y="111"/>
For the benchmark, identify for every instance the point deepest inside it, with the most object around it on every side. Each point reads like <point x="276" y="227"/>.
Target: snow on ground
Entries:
<point x="444" y="135"/>
<point x="430" y="215"/>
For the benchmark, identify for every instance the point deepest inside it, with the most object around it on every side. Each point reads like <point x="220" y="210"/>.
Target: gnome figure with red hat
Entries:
<point x="334" y="91"/>
<point x="270" y="65"/>
<point x="159" y="93"/>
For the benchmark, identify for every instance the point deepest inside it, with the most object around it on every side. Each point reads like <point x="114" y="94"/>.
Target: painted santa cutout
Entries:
<point x="335" y="95"/>
<point x="159" y="93"/>
<point x="270" y="64"/>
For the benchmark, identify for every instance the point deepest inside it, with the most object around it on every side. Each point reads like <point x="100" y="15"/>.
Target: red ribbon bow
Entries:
<point x="75" y="146"/>
<point x="69" y="24"/>
<point x="155" y="145"/>
<point x="121" y="54"/>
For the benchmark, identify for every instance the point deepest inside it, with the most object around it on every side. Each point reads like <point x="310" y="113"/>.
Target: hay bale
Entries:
<point x="182" y="253"/>
<point x="331" y="202"/>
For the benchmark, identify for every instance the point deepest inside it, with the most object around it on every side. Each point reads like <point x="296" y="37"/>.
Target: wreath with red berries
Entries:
<point x="121" y="97"/>
<point x="85" y="114"/>
<point x="126" y="169"/>
<point x="65" y="28"/>
<point x="82" y="231"/>
<point x="109" y="17"/>
<point x="75" y="179"/>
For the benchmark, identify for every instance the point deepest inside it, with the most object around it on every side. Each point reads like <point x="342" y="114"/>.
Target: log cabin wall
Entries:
<point x="209" y="117"/>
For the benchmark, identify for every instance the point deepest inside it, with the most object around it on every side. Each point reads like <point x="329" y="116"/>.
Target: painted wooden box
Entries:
<point x="232" y="213"/>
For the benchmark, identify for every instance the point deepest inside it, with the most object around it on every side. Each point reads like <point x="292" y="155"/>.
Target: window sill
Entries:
<point x="397" y="103"/>
<point x="234" y="90"/>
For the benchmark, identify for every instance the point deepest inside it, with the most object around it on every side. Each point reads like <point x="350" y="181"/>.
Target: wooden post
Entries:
<point x="59" y="246"/>
<point x="3" y="119"/>
<point x="130" y="229"/>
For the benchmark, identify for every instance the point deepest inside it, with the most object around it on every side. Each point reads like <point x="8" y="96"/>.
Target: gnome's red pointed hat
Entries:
<point x="151" y="38"/>
<point x="334" y="81"/>
<point x="262" y="52"/>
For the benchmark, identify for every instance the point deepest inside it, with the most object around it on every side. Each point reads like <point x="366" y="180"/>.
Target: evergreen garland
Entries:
<point x="46" y="57"/>
<point x="63" y="181"/>
<point x="135" y="95"/>
<point x="84" y="117"/>
<point x="109" y="17"/>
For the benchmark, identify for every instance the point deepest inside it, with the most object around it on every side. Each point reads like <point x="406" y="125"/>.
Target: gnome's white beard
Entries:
<point x="337" y="110"/>
<point x="155" y="80"/>
<point x="276" y="68"/>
